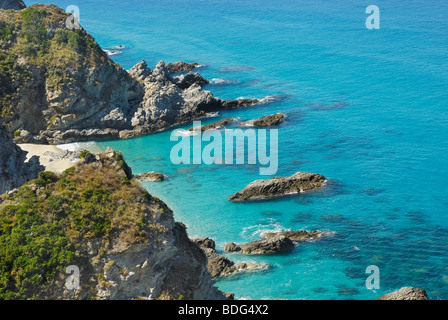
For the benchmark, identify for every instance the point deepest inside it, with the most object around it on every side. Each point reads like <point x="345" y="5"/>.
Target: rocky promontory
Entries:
<point x="279" y="186"/>
<point x="84" y="95"/>
<point x="296" y="235"/>
<point x="124" y="242"/>
<point x="214" y="125"/>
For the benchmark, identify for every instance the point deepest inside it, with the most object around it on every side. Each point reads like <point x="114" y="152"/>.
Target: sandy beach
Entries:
<point x="49" y="162"/>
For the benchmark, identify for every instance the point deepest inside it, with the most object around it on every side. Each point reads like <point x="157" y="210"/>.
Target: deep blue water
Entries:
<point x="366" y="108"/>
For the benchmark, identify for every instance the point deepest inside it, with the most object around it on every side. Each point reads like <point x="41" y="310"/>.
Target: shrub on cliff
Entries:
<point x="46" y="224"/>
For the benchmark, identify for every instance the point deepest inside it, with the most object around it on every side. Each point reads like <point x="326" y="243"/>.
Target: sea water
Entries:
<point x="365" y="108"/>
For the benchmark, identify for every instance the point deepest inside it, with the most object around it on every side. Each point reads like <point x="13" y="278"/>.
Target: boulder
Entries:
<point x="271" y="245"/>
<point x="186" y="81"/>
<point x="149" y="176"/>
<point x="279" y="186"/>
<point x="296" y="236"/>
<point x="406" y="293"/>
<point x="267" y="121"/>
<point x="180" y="66"/>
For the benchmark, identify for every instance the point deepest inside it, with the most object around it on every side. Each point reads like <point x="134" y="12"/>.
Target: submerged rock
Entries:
<point x="220" y="266"/>
<point x="279" y="186"/>
<point x="214" y="125"/>
<point x="149" y="176"/>
<point x="270" y="245"/>
<point x="267" y="121"/>
<point x="297" y="235"/>
<point x="180" y="66"/>
<point x="406" y="293"/>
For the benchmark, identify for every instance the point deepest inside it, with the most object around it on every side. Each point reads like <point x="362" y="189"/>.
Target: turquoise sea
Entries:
<point x="368" y="109"/>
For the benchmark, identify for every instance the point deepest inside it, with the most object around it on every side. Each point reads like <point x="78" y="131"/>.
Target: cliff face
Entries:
<point x="15" y="170"/>
<point x="57" y="85"/>
<point x="125" y="242"/>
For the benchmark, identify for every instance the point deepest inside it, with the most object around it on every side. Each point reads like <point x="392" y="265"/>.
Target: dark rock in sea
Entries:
<point x="279" y="186"/>
<point x="220" y="266"/>
<point x="238" y="103"/>
<point x="12" y="4"/>
<point x="214" y="125"/>
<point x="191" y="78"/>
<point x="270" y="245"/>
<point x="149" y="176"/>
<point x="266" y="121"/>
<point x="180" y="66"/>
<point x="296" y="235"/>
<point x="406" y="293"/>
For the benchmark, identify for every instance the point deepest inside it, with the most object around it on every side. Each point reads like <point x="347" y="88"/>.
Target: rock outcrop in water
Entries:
<point x="124" y="242"/>
<point x="15" y="169"/>
<point x="267" y="121"/>
<point x="279" y="186"/>
<point x="271" y="245"/>
<point x="296" y="235"/>
<point x="180" y="66"/>
<point x="150" y="176"/>
<point x="220" y="266"/>
<point x="214" y="125"/>
<point x="83" y="95"/>
<point x="406" y="293"/>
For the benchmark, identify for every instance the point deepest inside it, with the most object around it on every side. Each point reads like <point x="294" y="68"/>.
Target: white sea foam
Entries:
<point x="186" y="133"/>
<point x="111" y="52"/>
<point x="256" y="231"/>
<point x="212" y="114"/>
<point x="219" y="81"/>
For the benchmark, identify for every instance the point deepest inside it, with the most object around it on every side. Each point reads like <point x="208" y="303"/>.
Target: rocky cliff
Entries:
<point x="15" y="169"/>
<point x="124" y="242"/>
<point x="58" y="86"/>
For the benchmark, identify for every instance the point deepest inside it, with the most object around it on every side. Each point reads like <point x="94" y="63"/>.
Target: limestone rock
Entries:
<point x="266" y="121"/>
<point x="271" y="245"/>
<point x="15" y="170"/>
<point x="279" y="186"/>
<point x="406" y="293"/>
<point x="180" y="66"/>
<point x="149" y="176"/>
<point x="296" y="235"/>
<point x="220" y="266"/>
<point x="186" y="81"/>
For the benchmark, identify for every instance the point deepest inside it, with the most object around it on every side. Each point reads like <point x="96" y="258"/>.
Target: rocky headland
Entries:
<point x="82" y="94"/>
<point x="279" y="186"/>
<point x="125" y="242"/>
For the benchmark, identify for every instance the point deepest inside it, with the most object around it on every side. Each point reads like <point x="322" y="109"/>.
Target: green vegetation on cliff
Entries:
<point x="46" y="224"/>
<point x="37" y="38"/>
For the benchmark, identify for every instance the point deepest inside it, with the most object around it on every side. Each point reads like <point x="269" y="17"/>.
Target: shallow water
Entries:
<point x="366" y="108"/>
